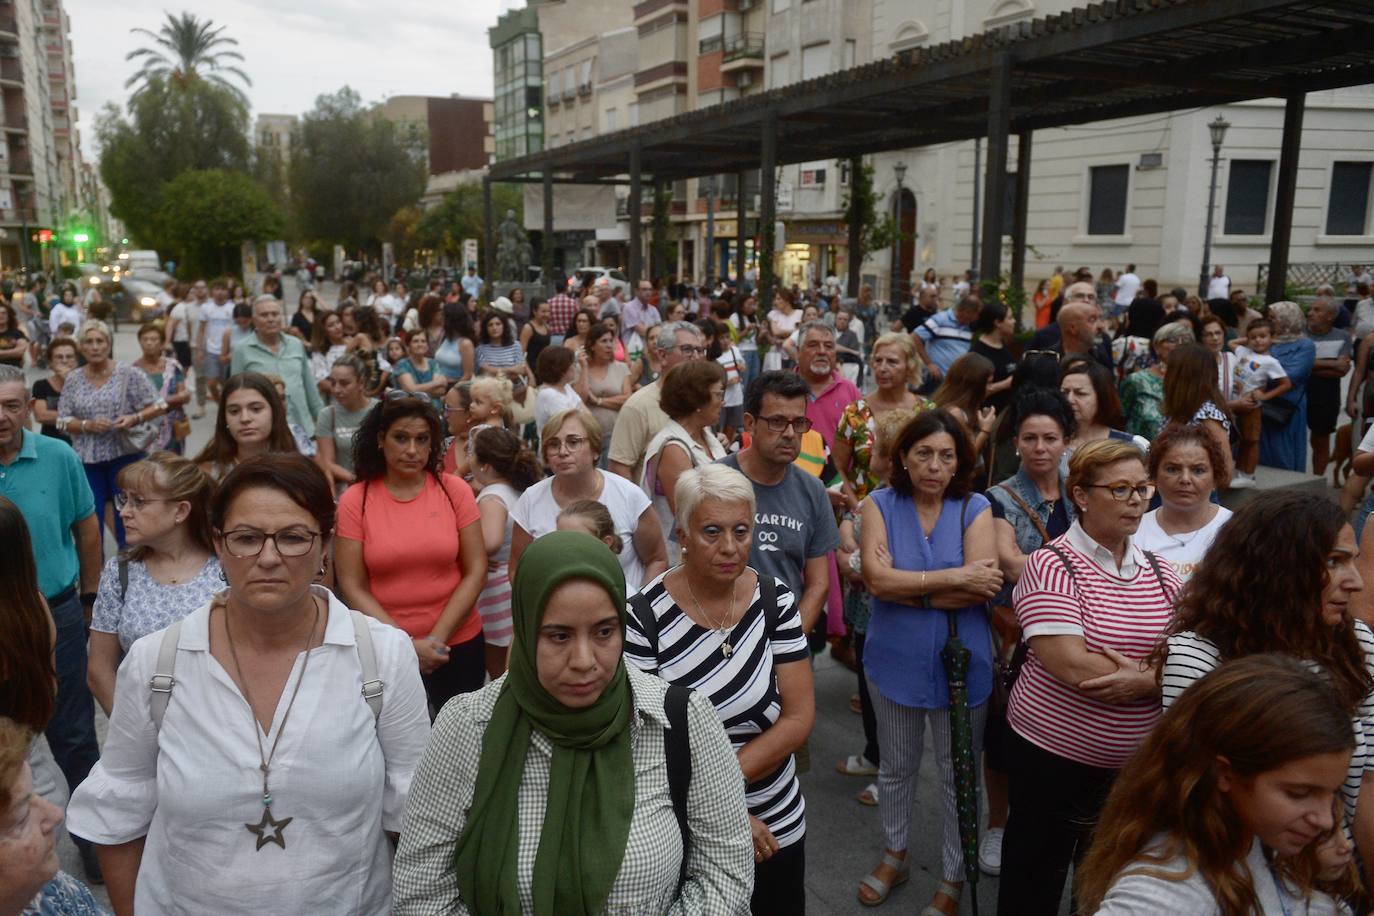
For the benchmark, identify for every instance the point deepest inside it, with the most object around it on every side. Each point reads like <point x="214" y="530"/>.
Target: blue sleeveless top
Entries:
<point x="902" y="648"/>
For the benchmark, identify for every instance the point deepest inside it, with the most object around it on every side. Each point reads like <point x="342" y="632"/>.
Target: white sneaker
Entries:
<point x="990" y="851"/>
<point x="1242" y="481"/>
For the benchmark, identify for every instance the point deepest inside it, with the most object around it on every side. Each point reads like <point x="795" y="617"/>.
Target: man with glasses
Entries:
<point x="43" y="477"/>
<point x="794" y="526"/>
<point x="269" y="351"/>
<point x="639" y="315"/>
<point x="641" y="418"/>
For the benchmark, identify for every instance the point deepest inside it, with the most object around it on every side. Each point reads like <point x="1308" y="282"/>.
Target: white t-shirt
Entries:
<point x="1367" y="443"/>
<point x="550" y="401"/>
<point x="61" y="314"/>
<point x="537" y="512"/>
<point x="506" y="493"/>
<point x="788" y="323"/>
<point x="1126" y="288"/>
<point x="187" y="315"/>
<point x="1219" y="287"/>
<point x="732" y="361"/>
<point x="218" y="319"/>
<point x="1254" y="370"/>
<point x="388" y="307"/>
<point x="1182" y="551"/>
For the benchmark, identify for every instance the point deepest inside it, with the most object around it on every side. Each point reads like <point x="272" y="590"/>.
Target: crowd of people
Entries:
<point x="547" y="580"/>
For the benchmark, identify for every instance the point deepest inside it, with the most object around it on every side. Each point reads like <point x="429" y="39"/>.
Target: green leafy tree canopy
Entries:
<point x="458" y="216"/>
<point x="351" y="171"/>
<point x="208" y="213"/>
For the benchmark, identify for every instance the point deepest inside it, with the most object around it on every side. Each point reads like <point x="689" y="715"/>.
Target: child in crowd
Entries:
<point x="305" y="443"/>
<point x="591" y="517"/>
<point x="1258" y="377"/>
<point x="490" y="401"/>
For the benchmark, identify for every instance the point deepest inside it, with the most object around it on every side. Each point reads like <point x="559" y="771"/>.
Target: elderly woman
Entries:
<point x="191" y="793"/>
<point x="927" y="545"/>
<point x="410" y="550"/>
<point x="1284" y="444"/>
<point x="1305" y="613"/>
<point x="1188" y="466"/>
<point x="170" y="570"/>
<point x="546" y="792"/>
<point x="896" y="370"/>
<point x="104" y="407"/>
<point x="31" y="882"/>
<point x="570" y="447"/>
<point x="715" y="625"/>
<point x="1142" y="392"/>
<point x="692" y="396"/>
<point x="1092" y="606"/>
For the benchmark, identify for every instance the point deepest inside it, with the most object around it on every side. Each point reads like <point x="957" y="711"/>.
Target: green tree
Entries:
<point x="877" y="231"/>
<point x="458" y="216"/>
<point x="351" y="170"/>
<point x="663" y="240"/>
<point x="187" y="50"/>
<point x="170" y="129"/>
<point x="206" y="214"/>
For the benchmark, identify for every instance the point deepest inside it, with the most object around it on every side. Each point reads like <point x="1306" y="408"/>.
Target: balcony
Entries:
<point x="17" y="215"/>
<point x="18" y="166"/>
<point x="12" y="72"/>
<point x="744" y="51"/>
<point x="584" y="90"/>
<point x="16" y="122"/>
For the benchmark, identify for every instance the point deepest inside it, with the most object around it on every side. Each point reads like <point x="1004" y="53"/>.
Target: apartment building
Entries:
<point x="518" y="111"/>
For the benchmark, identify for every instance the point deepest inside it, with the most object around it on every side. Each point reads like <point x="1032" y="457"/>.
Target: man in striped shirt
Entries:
<point x="943" y="338"/>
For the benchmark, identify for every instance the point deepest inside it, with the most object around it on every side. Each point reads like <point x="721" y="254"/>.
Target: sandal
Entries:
<point x="869" y="796"/>
<point x="880" y="887"/>
<point x="857" y="765"/>
<point x="952" y="891"/>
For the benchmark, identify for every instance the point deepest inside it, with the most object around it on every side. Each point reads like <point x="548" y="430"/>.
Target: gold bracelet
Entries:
<point x="923" y="582"/>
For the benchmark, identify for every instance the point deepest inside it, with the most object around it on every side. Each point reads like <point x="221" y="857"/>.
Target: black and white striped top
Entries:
<point x="1191" y="656"/>
<point x="743" y="688"/>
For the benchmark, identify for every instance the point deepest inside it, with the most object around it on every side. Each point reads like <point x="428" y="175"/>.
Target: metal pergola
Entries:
<point x="1108" y="60"/>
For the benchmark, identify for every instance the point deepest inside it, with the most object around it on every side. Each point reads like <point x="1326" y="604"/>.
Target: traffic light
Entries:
<point x="81" y="238"/>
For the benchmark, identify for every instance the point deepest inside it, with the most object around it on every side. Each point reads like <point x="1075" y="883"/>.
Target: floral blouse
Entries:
<point x="1142" y="403"/>
<point x="148" y="605"/>
<point x="126" y="391"/>
<point x="859" y="429"/>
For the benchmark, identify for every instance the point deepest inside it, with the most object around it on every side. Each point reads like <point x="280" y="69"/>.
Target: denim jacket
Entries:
<point x="1028" y="537"/>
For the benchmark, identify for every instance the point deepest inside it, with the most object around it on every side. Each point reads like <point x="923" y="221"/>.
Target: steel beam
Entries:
<point x="636" y="210"/>
<point x="994" y="191"/>
<point x="1018" y="218"/>
<point x="1289" y="150"/>
<point x="546" y="246"/>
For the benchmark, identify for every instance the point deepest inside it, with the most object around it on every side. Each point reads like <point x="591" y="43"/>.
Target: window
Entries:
<point x="816" y="60"/>
<point x="610" y="119"/>
<point x="1247" y="197"/>
<point x="781" y="6"/>
<point x="851" y="52"/>
<point x="1347" y="209"/>
<point x="632" y="114"/>
<point x="1107" y="186"/>
<point x="778" y="71"/>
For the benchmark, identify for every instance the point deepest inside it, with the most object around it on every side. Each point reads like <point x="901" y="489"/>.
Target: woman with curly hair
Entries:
<point x="1304" y="613"/>
<point x="1225" y="806"/>
<point x="410" y="549"/>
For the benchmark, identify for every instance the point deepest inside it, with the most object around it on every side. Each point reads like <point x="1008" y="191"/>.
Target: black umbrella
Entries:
<point x="955" y="656"/>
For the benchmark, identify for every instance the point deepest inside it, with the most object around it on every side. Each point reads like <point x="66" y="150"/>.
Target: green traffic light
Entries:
<point x="80" y="237"/>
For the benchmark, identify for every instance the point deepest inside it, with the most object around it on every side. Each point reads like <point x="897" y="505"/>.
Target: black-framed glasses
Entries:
<point x="1121" y="492"/>
<point x="246" y="543"/>
<point x="123" y="499"/>
<point x="801" y="425"/>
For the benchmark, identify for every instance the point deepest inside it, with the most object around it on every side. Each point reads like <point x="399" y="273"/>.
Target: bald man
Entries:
<point x="1077" y="330"/>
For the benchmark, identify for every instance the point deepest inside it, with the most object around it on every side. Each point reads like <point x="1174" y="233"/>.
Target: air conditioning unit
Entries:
<point x="1150" y="161"/>
<point x="745" y="79"/>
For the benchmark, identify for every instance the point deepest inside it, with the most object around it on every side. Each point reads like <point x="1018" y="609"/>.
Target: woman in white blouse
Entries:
<point x="261" y="778"/>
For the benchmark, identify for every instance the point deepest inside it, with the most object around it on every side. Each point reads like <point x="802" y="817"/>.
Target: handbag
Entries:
<point x="1277" y="411"/>
<point x="141" y="436"/>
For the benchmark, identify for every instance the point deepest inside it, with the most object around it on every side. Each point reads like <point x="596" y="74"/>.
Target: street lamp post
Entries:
<point x="1218" y="129"/>
<point x="900" y="170"/>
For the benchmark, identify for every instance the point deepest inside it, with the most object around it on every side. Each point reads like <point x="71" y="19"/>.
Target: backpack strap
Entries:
<point x="768" y="597"/>
<point x="123" y="576"/>
<point x="373" y="686"/>
<point x="677" y="747"/>
<point x="162" y="681"/>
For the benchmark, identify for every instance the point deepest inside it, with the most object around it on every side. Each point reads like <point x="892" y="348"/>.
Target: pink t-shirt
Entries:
<point x="825" y="411"/>
<point x="410" y="549"/>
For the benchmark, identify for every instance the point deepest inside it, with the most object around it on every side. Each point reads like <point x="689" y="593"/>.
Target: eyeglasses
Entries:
<point x="245" y="543"/>
<point x="689" y="350"/>
<point x="400" y="394"/>
<point x="1121" y="492"/>
<point x="122" y="499"/>
<point x="571" y="443"/>
<point x="802" y="425"/>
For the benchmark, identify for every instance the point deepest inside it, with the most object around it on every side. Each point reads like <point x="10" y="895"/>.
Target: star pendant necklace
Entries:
<point x="723" y="627"/>
<point x="269" y="829"/>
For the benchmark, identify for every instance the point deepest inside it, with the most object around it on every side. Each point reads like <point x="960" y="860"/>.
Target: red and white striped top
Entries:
<point x="1126" y="610"/>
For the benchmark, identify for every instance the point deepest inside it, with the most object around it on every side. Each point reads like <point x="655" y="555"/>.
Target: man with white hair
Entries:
<point x="818" y="364"/>
<point x="641" y="418"/>
<point x="269" y="351"/>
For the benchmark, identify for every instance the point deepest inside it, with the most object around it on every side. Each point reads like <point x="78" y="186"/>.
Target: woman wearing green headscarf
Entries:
<point x="546" y="792"/>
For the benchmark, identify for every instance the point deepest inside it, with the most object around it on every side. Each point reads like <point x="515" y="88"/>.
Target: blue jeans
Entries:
<point x="102" y="476"/>
<point x="751" y="366"/>
<point x="71" y="730"/>
<point x="1362" y="516"/>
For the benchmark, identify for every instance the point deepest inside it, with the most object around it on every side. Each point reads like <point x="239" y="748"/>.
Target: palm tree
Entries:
<point x="189" y="49"/>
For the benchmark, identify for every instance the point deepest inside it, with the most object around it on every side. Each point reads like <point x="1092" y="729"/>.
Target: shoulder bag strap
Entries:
<point x="677" y="747"/>
<point x="373" y="686"/>
<point x="648" y="623"/>
<point x="123" y="576"/>
<point x="1159" y="576"/>
<point x="162" y="681"/>
<point x="768" y="597"/>
<point x="1030" y="513"/>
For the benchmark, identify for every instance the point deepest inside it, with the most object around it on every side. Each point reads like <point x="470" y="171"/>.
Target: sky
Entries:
<point x="295" y="52"/>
